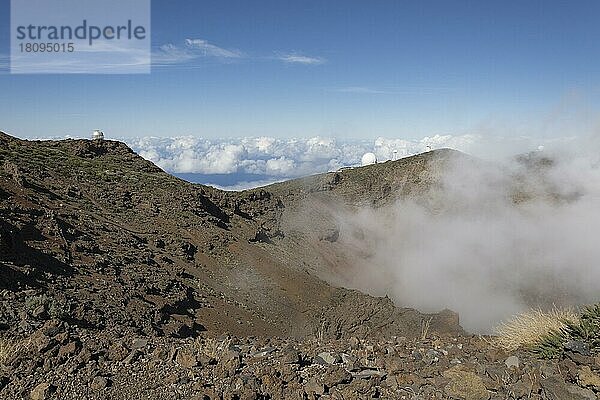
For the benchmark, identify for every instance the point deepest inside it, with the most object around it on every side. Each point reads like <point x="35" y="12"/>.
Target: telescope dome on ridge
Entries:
<point x="368" y="159"/>
<point x="97" y="135"/>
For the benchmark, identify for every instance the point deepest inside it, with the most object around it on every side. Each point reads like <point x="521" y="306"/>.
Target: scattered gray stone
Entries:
<point x="512" y="361"/>
<point x="99" y="383"/>
<point x="417" y="355"/>
<point x="132" y="357"/>
<point x="431" y="356"/>
<point x="578" y="347"/>
<point x="368" y="374"/>
<point x="139" y="344"/>
<point x="263" y="352"/>
<point x="327" y="358"/>
<point x="39" y="312"/>
<point x="347" y="358"/>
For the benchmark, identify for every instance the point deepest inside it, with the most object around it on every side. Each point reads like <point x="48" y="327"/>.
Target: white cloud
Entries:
<point x="192" y="50"/>
<point x="269" y="158"/>
<point x="171" y="54"/>
<point x="195" y="49"/>
<point x="191" y="155"/>
<point x="244" y="185"/>
<point x="280" y="166"/>
<point x="210" y="50"/>
<point x="296" y="58"/>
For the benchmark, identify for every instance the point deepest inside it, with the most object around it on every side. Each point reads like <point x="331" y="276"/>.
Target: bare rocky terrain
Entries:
<point x="118" y="280"/>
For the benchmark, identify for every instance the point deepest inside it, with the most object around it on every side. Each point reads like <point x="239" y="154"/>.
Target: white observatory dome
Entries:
<point x="98" y="135"/>
<point x="368" y="159"/>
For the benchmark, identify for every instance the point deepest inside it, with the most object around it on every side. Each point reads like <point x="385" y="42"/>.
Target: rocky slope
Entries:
<point x="103" y="238"/>
<point x="118" y="280"/>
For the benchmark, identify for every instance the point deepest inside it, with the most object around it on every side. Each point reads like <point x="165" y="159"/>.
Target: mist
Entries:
<point x="489" y="240"/>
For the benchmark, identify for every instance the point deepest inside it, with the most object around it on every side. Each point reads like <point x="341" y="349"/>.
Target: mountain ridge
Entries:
<point x="111" y="214"/>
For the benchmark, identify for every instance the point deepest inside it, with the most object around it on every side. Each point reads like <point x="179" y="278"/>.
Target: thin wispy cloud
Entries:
<point x="210" y="50"/>
<point x="295" y="58"/>
<point x="186" y="55"/>
<point x="189" y="53"/>
<point x="169" y="54"/>
<point x="134" y="62"/>
<point x="101" y="58"/>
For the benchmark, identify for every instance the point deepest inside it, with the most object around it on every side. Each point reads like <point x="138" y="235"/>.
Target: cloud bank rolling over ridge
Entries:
<point x="257" y="161"/>
<point x="478" y="246"/>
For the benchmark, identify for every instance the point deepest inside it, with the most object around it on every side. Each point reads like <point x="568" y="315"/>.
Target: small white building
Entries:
<point x="98" y="135"/>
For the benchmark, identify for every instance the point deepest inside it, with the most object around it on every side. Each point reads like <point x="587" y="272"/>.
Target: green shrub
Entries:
<point x="585" y="330"/>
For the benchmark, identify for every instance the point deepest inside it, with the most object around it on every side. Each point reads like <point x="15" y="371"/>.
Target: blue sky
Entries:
<point x="344" y="69"/>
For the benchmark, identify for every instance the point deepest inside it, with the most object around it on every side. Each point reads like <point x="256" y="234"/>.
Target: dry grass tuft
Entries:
<point x="528" y="328"/>
<point x="425" y="325"/>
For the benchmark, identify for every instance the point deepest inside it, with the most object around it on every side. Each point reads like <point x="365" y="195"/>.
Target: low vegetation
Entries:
<point x="583" y="333"/>
<point x="528" y="329"/>
<point x="550" y="333"/>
